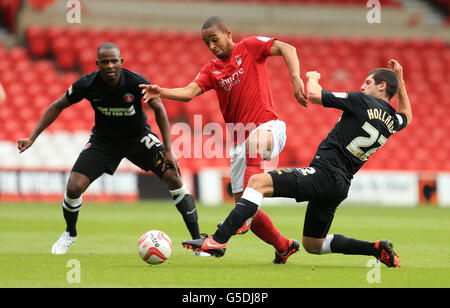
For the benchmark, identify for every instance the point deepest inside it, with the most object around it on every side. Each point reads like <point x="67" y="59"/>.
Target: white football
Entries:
<point x="155" y="247"/>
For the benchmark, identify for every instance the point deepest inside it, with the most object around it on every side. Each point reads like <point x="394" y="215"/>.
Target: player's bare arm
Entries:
<point x="47" y="118"/>
<point x="313" y="88"/>
<point x="403" y="105"/>
<point x="2" y="94"/>
<point x="289" y="53"/>
<point x="179" y="94"/>
<point x="163" y="123"/>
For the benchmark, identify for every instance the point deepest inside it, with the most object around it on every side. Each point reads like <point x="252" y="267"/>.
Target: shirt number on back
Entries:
<point x="365" y="142"/>
<point x="150" y="140"/>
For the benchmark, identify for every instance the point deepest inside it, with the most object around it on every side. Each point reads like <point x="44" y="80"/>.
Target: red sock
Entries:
<point x="254" y="165"/>
<point x="262" y="226"/>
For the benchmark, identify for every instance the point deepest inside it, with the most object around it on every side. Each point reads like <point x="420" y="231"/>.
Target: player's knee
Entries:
<point x="260" y="183"/>
<point x="74" y="189"/>
<point x="76" y="185"/>
<point x="171" y="179"/>
<point x="255" y="182"/>
<point x="311" y="246"/>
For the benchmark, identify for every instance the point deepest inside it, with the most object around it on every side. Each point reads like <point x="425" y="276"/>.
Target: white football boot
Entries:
<point x="63" y="243"/>
<point x="201" y="254"/>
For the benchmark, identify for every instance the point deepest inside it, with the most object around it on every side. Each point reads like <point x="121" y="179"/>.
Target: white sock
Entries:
<point x="326" y="244"/>
<point x="179" y="193"/>
<point x="72" y="205"/>
<point x="253" y="196"/>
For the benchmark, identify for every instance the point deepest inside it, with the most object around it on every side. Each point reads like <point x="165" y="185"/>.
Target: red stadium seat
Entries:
<point x="424" y="145"/>
<point x="37" y="40"/>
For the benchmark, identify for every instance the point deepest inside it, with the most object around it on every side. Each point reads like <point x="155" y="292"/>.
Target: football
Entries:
<point x="155" y="247"/>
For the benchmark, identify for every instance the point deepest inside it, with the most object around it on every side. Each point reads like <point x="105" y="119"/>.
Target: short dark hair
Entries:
<point x="107" y="45"/>
<point x="388" y="76"/>
<point x="217" y="21"/>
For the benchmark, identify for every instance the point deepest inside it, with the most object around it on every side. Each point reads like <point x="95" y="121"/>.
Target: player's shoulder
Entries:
<point x="254" y="41"/>
<point x="373" y="102"/>
<point x="256" y="38"/>
<point x="134" y="77"/>
<point x="353" y="95"/>
<point x="212" y="65"/>
<point x="83" y="85"/>
<point x="87" y="79"/>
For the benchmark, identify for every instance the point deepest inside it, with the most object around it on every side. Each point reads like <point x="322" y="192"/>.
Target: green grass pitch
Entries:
<point x="106" y="249"/>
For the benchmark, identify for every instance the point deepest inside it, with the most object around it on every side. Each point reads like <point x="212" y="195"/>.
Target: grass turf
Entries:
<point x="106" y="248"/>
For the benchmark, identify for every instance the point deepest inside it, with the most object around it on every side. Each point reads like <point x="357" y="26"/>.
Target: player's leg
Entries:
<point x="258" y="146"/>
<point x="318" y="219"/>
<point x="262" y="225"/>
<point x="259" y="186"/>
<point x="92" y="162"/>
<point x="337" y="243"/>
<point x="244" y="165"/>
<point x="151" y="158"/>
<point x="239" y="174"/>
<point x="267" y="142"/>
<point x="72" y="200"/>
<point x="245" y="208"/>
<point x="71" y="205"/>
<point x="247" y="224"/>
<point x="183" y="200"/>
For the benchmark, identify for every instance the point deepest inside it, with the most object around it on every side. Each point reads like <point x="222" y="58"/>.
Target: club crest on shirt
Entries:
<point x="128" y="98"/>
<point x="238" y="60"/>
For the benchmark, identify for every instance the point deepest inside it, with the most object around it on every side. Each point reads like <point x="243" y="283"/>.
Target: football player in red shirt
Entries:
<point x="239" y="76"/>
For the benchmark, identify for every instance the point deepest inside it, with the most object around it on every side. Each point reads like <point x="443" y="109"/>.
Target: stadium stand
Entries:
<point x="315" y="2"/>
<point x="54" y="57"/>
<point x="444" y="7"/>
<point x="8" y="12"/>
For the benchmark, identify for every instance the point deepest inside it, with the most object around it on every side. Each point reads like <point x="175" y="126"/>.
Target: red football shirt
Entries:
<point x="242" y="84"/>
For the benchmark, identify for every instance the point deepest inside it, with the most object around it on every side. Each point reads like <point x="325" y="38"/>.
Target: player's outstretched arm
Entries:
<point x="289" y="53"/>
<point x="163" y="123"/>
<point x="47" y="118"/>
<point x="403" y="104"/>
<point x="313" y="88"/>
<point x="179" y="94"/>
<point x="2" y="94"/>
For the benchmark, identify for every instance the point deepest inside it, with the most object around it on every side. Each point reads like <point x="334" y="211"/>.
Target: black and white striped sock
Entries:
<point x="71" y="207"/>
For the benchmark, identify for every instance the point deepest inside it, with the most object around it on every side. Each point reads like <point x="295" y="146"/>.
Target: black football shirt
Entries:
<point x="365" y="125"/>
<point x="118" y="112"/>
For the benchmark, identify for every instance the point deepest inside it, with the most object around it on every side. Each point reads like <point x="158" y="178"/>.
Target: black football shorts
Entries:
<point x="323" y="189"/>
<point x="100" y="156"/>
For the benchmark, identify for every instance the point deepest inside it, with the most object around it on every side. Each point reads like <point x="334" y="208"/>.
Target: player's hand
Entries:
<point x="396" y="67"/>
<point x="313" y="75"/>
<point x="24" y="144"/>
<point x="150" y="91"/>
<point x="170" y="159"/>
<point x="299" y="91"/>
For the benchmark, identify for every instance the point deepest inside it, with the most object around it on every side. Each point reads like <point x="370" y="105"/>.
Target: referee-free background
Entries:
<point x="45" y="45"/>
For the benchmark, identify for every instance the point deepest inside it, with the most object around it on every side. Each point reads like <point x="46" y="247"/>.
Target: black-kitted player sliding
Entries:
<point x="120" y="131"/>
<point x="366" y="123"/>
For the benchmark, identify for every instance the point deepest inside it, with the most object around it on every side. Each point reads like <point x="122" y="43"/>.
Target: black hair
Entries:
<point x="388" y="76"/>
<point x="217" y="21"/>
<point x="107" y="46"/>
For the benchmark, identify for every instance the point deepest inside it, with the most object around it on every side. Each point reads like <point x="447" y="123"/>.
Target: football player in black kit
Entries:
<point x="366" y="123"/>
<point x="120" y="131"/>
